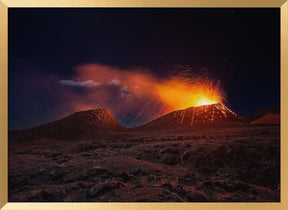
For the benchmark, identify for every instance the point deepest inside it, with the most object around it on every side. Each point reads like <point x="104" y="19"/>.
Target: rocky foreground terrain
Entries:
<point x="220" y="163"/>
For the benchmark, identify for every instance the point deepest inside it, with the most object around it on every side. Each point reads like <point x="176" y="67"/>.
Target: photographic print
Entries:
<point x="144" y="105"/>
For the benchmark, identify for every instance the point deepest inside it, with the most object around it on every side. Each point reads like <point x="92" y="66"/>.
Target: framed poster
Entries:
<point x="143" y="104"/>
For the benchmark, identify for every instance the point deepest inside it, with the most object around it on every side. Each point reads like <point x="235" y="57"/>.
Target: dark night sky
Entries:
<point x="240" y="47"/>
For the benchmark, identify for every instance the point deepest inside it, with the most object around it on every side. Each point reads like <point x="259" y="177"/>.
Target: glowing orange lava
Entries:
<point x="177" y="94"/>
<point x="206" y="101"/>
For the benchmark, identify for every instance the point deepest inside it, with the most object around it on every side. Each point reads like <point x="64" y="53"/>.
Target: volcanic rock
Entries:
<point x="194" y="116"/>
<point x="240" y="168"/>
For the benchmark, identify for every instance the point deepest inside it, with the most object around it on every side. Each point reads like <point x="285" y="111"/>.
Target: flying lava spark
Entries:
<point x="179" y="94"/>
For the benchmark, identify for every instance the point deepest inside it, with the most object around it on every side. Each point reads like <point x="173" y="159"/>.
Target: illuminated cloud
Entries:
<point x="87" y="83"/>
<point x="124" y="92"/>
<point x="114" y="82"/>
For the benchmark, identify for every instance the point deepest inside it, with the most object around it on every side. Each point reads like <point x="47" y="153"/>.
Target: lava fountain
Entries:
<point x="186" y="90"/>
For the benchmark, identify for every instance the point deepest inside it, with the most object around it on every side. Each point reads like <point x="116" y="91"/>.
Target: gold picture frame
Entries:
<point x="5" y="4"/>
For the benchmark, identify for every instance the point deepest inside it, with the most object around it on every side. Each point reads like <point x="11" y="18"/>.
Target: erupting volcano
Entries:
<point x="178" y="91"/>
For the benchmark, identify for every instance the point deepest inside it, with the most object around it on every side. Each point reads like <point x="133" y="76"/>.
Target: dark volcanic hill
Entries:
<point x="194" y="116"/>
<point x="100" y="122"/>
<point x="274" y="110"/>
<point x="268" y="119"/>
<point x="80" y="124"/>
